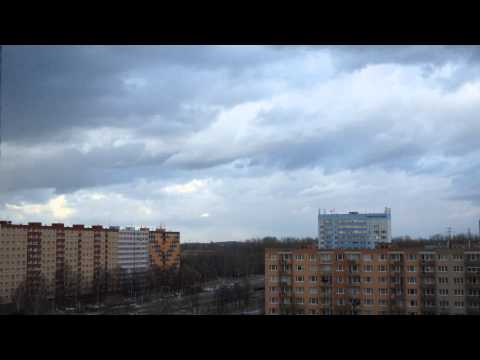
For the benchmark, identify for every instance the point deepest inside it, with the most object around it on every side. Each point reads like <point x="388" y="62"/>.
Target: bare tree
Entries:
<point x="31" y="297"/>
<point x="20" y="297"/>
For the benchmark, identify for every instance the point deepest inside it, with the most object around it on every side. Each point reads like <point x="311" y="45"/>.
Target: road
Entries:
<point x="183" y="304"/>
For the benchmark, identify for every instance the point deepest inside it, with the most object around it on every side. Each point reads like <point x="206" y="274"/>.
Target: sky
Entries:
<point x="232" y="142"/>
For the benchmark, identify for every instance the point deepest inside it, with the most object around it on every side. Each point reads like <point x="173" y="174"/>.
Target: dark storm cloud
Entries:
<point x="48" y="89"/>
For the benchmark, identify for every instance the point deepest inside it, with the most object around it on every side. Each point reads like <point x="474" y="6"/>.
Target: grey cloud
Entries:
<point x="48" y="89"/>
<point x="70" y="169"/>
<point x="53" y="94"/>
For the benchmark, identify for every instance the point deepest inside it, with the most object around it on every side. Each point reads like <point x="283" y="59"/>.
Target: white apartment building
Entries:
<point x="354" y="230"/>
<point x="133" y="256"/>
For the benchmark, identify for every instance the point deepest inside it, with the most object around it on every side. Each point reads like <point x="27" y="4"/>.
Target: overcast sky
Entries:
<point x="231" y="142"/>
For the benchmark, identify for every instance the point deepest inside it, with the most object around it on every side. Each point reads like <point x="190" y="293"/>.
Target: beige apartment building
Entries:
<point x="55" y="257"/>
<point x="388" y="279"/>
<point x="76" y="260"/>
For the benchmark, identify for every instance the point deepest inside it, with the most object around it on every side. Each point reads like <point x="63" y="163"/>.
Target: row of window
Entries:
<point x="381" y="257"/>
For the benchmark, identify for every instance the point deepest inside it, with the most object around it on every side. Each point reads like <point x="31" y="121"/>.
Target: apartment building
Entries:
<point x="385" y="280"/>
<point x="164" y="249"/>
<point x="133" y="250"/>
<point x="353" y="230"/>
<point x="51" y="256"/>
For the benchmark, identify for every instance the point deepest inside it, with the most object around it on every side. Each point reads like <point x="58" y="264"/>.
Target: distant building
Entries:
<point x="56" y="257"/>
<point x="164" y="249"/>
<point x="353" y="230"/>
<point x="81" y="260"/>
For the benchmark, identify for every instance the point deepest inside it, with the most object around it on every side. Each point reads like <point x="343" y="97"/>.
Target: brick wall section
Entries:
<point x="380" y="281"/>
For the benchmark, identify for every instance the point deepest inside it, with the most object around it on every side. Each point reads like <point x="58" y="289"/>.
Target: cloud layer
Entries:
<point x="229" y="142"/>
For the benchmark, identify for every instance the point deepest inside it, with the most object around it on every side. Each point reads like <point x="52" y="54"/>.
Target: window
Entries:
<point x="412" y="257"/>
<point x="473" y="257"/>
<point x="299" y="300"/>
<point x="274" y="300"/>
<point x="340" y="267"/>
<point x="411" y="268"/>
<point x="457" y="268"/>
<point x="473" y="269"/>
<point x="353" y="257"/>
<point x="325" y="268"/>
<point x="368" y="268"/>
<point x="382" y="268"/>
<point x="299" y="290"/>
<point x="412" y="280"/>
<point x="299" y="267"/>
<point x="412" y="292"/>
<point x="368" y="301"/>
<point x="443" y="280"/>
<point x="313" y="291"/>
<point x="312" y="257"/>
<point x="443" y="292"/>
<point x="367" y="257"/>
<point x="299" y="257"/>
<point x="442" y="257"/>
<point x="353" y="268"/>
<point x="339" y="257"/>
<point x="473" y="292"/>
<point x="428" y="292"/>
<point x="427" y="257"/>
<point x="458" y="280"/>
<point x="340" y="291"/>
<point x="395" y="257"/>
<point x="412" y="303"/>
<point x="368" y="291"/>
<point x="382" y="291"/>
<point x="299" y="278"/>
<point x="339" y="280"/>
<point x="325" y="258"/>
<point x="273" y="267"/>
<point x="367" y="279"/>
<point x="354" y="279"/>
<point x="443" y="303"/>
<point x="313" y="301"/>
<point x="443" y="268"/>
<point x="459" y="304"/>
<point x="458" y="292"/>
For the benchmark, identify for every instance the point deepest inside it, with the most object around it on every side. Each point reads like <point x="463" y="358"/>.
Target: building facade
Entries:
<point x="57" y="258"/>
<point x="385" y="280"/>
<point x="164" y="249"/>
<point x="77" y="260"/>
<point x="133" y="250"/>
<point x="353" y="230"/>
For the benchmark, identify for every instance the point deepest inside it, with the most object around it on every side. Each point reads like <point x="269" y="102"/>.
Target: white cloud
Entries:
<point x="55" y="209"/>
<point x="189" y="187"/>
